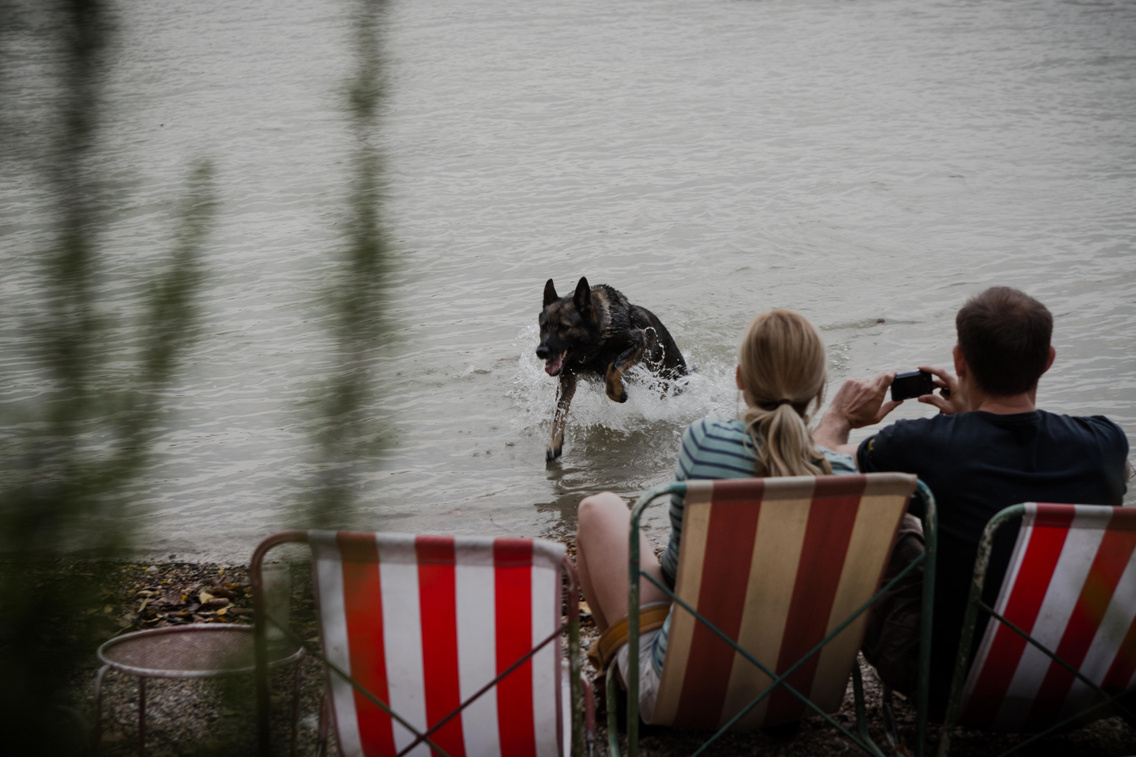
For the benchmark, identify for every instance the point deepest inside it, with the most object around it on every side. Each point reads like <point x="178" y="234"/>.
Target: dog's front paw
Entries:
<point x="552" y="452"/>
<point x="613" y="386"/>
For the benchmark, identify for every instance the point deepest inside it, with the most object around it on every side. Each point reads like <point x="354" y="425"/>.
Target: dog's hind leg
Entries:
<point x="564" y="395"/>
<point x="613" y="379"/>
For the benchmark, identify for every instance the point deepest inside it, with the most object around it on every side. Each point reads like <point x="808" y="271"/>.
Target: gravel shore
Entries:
<point x="187" y="717"/>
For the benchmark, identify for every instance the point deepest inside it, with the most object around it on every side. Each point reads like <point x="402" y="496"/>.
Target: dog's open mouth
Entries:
<point x="553" y="365"/>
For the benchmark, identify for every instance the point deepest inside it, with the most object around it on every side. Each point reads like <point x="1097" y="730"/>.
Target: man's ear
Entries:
<point x="1049" y="362"/>
<point x="960" y="362"/>
<point x="583" y="297"/>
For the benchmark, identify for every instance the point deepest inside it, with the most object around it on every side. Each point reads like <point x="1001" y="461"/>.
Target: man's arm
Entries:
<point x="856" y="404"/>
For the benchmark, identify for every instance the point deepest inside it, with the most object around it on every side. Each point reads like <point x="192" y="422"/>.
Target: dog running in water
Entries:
<point x="597" y="333"/>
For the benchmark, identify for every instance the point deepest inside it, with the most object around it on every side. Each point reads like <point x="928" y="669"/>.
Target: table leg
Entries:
<point x="99" y="708"/>
<point x="142" y="716"/>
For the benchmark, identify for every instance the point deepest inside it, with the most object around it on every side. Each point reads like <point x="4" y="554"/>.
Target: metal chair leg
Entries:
<point x="321" y="733"/>
<point x="611" y="691"/>
<point x="891" y="731"/>
<point x="861" y="712"/>
<point x="296" y="703"/>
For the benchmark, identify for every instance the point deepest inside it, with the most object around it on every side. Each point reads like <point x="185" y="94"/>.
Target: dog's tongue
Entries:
<point x="553" y="365"/>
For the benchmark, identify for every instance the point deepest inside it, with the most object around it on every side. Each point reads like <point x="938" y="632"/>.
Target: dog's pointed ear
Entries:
<point x="583" y="296"/>
<point x="550" y="295"/>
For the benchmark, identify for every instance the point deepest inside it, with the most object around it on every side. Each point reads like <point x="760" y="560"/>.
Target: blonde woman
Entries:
<point x="781" y="375"/>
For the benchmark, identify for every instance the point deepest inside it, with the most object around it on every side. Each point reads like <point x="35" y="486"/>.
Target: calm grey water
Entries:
<point x="870" y="164"/>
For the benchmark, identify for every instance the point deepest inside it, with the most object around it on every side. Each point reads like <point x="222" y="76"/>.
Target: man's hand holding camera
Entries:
<point x="860" y="403"/>
<point x="950" y="399"/>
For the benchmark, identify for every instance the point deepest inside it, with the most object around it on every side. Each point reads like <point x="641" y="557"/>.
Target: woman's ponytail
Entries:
<point x="782" y="371"/>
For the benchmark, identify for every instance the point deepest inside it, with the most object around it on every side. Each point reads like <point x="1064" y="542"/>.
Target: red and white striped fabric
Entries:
<point x="776" y="564"/>
<point x="1071" y="584"/>
<point x="424" y="622"/>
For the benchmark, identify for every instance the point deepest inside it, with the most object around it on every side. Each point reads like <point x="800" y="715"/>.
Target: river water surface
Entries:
<point x="869" y="164"/>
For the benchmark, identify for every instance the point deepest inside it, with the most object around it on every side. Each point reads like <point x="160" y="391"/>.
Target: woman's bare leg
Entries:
<point x="603" y="523"/>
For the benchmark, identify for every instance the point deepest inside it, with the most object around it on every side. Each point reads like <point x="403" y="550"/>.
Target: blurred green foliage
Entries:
<point x="69" y="454"/>
<point x="71" y="450"/>
<point x="346" y="438"/>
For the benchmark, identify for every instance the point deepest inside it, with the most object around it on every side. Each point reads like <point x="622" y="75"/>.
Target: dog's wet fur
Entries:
<point x="597" y="333"/>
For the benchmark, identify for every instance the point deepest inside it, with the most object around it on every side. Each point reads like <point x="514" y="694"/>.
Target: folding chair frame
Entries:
<point x="570" y="592"/>
<point x="864" y="741"/>
<point x="970" y="623"/>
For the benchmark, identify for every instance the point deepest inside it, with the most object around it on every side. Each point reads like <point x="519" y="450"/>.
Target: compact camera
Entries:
<point x="910" y="384"/>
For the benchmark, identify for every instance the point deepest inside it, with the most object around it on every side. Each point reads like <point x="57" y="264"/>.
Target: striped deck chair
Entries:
<point x="774" y="578"/>
<point x="442" y="645"/>
<point x="1064" y="644"/>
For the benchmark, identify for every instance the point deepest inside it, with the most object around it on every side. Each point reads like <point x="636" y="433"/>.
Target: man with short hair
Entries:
<point x="990" y="447"/>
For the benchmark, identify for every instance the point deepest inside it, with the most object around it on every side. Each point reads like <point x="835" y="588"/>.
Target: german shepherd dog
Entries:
<point x="597" y="333"/>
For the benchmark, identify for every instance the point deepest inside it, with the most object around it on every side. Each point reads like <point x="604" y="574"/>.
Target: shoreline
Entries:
<point x="186" y="717"/>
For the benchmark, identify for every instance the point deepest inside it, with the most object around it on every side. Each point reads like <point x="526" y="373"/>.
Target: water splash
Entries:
<point x="650" y="400"/>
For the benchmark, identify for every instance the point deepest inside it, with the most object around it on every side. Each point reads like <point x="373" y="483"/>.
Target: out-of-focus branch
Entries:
<point x="69" y="452"/>
<point x="346" y="437"/>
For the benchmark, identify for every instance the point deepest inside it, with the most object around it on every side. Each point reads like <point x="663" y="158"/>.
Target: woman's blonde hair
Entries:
<point x="781" y="366"/>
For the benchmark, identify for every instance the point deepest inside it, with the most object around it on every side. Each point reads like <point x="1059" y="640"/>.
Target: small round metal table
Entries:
<point x="200" y="650"/>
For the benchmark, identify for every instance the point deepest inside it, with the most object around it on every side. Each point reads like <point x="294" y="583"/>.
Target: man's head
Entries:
<point x="1004" y="336"/>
